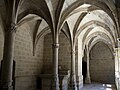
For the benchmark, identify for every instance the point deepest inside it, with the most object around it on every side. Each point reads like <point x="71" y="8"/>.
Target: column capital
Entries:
<point x="73" y="52"/>
<point x="118" y="39"/>
<point x="11" y="28"/>
<point x="6" y="83"/>
<point x="55" y="45"/>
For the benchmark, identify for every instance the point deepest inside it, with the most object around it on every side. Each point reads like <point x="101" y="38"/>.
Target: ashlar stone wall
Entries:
<point x="28" y="67"/>
<point x="102" y="64"/>
<point x="64" y="53"/>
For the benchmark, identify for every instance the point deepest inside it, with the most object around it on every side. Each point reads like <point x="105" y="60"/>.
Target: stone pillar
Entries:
<point x="116" y="67"/>
<point x="116" y="60"/>
<point x="118" y="55"/>
<point x="118" y="78"/>
<point x="79" y="55"/>
<point x="55" y="66"/>
<point x="87" y="80"/>
<point x="73" y="84"/>
<point x="7" y="65"/>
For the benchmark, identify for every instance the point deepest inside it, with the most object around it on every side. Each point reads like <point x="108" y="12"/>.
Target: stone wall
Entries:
<point x="64" y="53"/>
<point x="47" y="56"/>
<point x="102" y="64"/>
<point x="28" y="67"/>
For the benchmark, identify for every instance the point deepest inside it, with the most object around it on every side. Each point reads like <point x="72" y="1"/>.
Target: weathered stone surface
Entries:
<point x="64" y="53"/>
<point x="28" y="67"/>
<point x="102" y="64"/>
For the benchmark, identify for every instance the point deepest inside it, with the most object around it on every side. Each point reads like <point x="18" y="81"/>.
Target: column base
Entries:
<point x="71" y="87"/>
<point x="79" y="81"/>
<point x="87" y="80"/>
<point x="6" y="85"/>
<point x="54" y="88"/>
<point x="73" y="84"/>
<point x="6" y="88"/>
<point x="55" y="85"/>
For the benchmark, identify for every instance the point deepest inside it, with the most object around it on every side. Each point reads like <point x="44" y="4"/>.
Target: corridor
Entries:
<point x="59" y="44"/>
<point x="98" y="87"/>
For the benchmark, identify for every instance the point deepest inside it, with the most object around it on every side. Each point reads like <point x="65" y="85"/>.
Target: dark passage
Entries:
<point x="84" y="70"/>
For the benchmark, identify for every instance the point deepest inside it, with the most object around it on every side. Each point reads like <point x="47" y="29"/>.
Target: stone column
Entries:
<point x="7" y="65"/>
<point x="116" y="67"/>
<point x="79" y="55"/>
<point x="118" y="55"/>
<point x="55" y="66"/>
<point x="87" y="80"/>
<point x="116" y="60"/>
<point x="73" y="84"/>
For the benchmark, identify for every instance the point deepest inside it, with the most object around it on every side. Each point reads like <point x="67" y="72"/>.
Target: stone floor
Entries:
<point x="98" y="87"/>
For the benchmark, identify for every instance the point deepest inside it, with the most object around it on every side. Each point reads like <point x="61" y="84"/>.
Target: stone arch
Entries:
<point x="66" y="30"/>
<point x="44" y="32"/>
<point x="28" y="18"/>
<point x="104" y="41"/>
<point x="38" y="12"/>
<point x="88" y="31"/>
<point x="101" y="25"/>
<point x="105" y="60"/>
<point x="96" y="3"/>
<point x="97" y="23"/>
<point x="103" y="37"/>
<point x="94" y="35"/>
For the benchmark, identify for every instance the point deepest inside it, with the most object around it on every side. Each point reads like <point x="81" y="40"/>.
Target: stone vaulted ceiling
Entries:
<point x="92" y="20"/>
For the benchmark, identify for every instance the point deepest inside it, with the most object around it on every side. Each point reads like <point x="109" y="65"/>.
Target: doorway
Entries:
<point x="84" y="66"/>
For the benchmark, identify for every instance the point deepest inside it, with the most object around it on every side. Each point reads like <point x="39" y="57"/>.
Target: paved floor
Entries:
<point x="98" y="87"/>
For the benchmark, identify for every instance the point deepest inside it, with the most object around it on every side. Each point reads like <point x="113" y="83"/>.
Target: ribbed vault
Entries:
<point x="84" y="22"/>
<point x="79" y="15"/>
